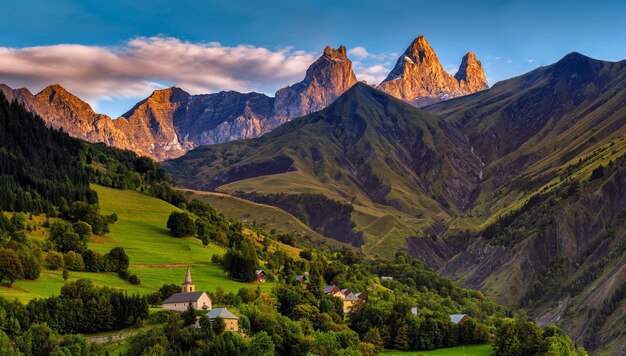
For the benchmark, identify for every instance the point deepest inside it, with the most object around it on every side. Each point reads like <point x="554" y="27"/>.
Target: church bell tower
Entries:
<point x="188" y="286"/>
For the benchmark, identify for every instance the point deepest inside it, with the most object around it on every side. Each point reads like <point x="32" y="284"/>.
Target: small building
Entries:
<point x="180" y="301"/>
<point x="333" y="291"/>
<point x="414" y="311"/>
<point x="231" y="320"/>
<point x="386" y="278"/>
<point x="346" y="291"/>
<point x="350" y="301"/>
<point x="458" y="318"/>
<point x="301" y="278"/>
<point x="260" y="275"/>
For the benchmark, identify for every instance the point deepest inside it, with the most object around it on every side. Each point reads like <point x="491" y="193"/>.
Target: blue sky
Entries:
<point x="207" y="46"/>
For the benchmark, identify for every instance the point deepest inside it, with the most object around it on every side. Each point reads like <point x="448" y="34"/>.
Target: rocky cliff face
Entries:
<point x="62" y="110"/>
<point x="471" y="76"/>
<point x="419" y="77"/>
<point x="326" y="79"/>
<point x="150" y="124"/>
<point x="225" y="116"/>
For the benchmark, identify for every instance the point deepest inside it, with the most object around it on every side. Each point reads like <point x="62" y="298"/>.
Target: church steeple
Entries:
<point x="188" y="286"/>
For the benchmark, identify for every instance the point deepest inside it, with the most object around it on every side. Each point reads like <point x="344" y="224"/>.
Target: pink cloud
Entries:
<point x="143" y="64"/>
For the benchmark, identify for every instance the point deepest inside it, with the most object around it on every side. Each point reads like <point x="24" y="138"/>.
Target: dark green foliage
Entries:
<point x="597" y="173"/>
<point x="189" y="315"/>
<point x="524" y="337"/>
<point x="241" y="263"/>
<point x="218" y="325"/>
<point x="83" y="308"/>
<point x="117" y="260"/>
<point x="54" y="260"/>
<point x="134" y="280"/>
<point x="80" y="308"/>
<point x="11" y="268"/>
<point x="94" y="262"/>
<point x="39" y="168"/>
<point x="166" y="291"/>
<point x="181" y="224"/>
<point x="88" y="213"/>
<point x="30" y="264"/>
<point x="548" y="282"/>
<point x="287" y="239"/>
<point x="65" y="239"/>
<point x="73" y="261"/>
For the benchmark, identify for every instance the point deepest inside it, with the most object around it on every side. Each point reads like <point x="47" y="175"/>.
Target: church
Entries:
<point x="180" y="301"/>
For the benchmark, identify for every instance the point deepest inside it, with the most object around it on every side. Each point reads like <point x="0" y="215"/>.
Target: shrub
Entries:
<point x="54" y="260"/>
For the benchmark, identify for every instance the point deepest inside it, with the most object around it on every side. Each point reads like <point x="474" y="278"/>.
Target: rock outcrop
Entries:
<point x="419" y="78"/>
<point x="471" y="76"/>
<point x="326" y="79"/>
<point x="62" y="110"/>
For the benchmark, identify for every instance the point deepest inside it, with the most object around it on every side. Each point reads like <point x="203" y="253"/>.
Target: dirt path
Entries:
<point x="103" y="339"/>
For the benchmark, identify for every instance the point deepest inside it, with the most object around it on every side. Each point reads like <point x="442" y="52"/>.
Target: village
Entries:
<point x="201" y="301"/>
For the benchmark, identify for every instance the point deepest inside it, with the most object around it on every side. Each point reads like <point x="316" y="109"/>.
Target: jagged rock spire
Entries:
<point x="419" y="77"/>
<point x="326" y="79"/>
<point x="471" y="76"/>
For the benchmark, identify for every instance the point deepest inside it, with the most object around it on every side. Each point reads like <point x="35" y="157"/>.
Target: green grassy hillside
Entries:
<point x="253" y="214"/>
<point x="471" y="350"/>
<point x="155" y="256"/>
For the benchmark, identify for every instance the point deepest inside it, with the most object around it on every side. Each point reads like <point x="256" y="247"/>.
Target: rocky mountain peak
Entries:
<point x="471" y="76"/>
<point x="330" y="52"/>
<point x="421" y="51"/>
<point x="419" y="78"/>
<point x="58" y="96"/>
<point x="172" y="94"/>
<point x="325" y="80"/>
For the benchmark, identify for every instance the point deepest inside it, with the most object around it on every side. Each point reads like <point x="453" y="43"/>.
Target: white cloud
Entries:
<point x="142" y="64"/>
<point x="359" y="52"/>
<point x="373" y="74"/>
<point x="372" y="67"/>
<point x="530" y="60"/>
<point x="452" y="68"/>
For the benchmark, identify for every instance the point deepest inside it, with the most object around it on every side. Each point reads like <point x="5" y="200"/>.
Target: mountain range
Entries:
<point x="518" y="190"/>
<point x="171" y="121"/>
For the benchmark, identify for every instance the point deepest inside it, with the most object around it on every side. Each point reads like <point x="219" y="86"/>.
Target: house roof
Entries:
<point x="221" y="313"/>
<point x="456" y="318"/>
<point x="346" y="291"/>
<point x="329" y="289"/>
<point x="414" y="310"/>
<point x="352" y="297"/>
<point x="301" y="277"/>
<point x="184" y="297"/>
<point x="259" y="271"/>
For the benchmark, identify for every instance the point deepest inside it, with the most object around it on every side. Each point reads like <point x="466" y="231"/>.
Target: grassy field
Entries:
<point x="155" y="256"/>
<point x="473" y="350"/>
<point x="254" y="214"/>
